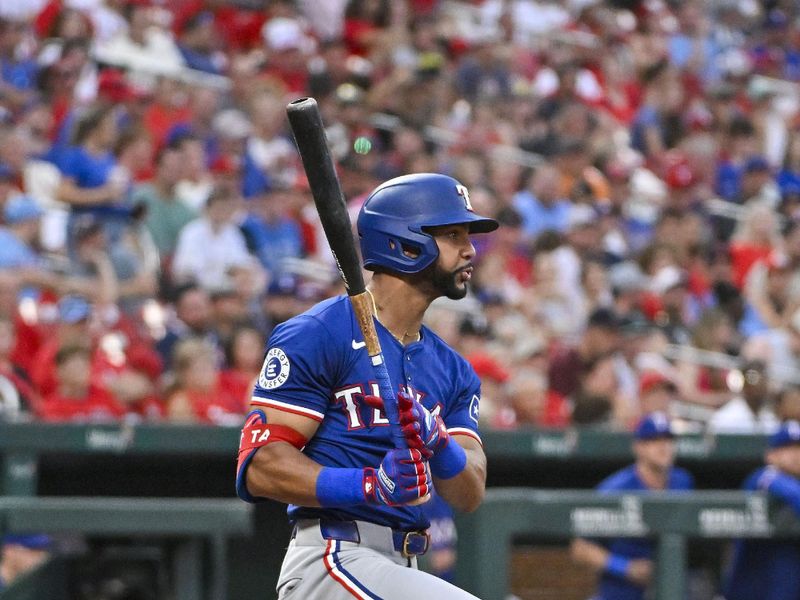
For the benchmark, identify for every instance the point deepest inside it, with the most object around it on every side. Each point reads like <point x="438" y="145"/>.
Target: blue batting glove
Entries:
<point x="402" y="477"/>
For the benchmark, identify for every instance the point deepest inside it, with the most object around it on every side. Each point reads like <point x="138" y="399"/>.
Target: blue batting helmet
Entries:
<point x="397" y="213"/>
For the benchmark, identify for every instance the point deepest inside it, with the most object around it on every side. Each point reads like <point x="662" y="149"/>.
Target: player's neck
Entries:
<point x="653" y="478"/>
<point x="399" y="307"/>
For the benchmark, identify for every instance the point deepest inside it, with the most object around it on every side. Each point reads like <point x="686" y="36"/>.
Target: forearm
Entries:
<point x="281" y="472"/>
<point x="70" y="193"/>
<point x="600" y="560"/>
<point x="108" y="291"/>
<point x="141" y="285"/>
<point x="589" y="554"/>
<point x="465" y="491"/>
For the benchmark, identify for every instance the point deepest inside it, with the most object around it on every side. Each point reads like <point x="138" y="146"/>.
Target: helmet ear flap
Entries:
<point x="397" y="252"/>
<point x="392" y="221"/>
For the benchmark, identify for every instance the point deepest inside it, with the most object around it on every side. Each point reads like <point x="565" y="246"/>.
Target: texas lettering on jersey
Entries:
<point x="317" y="366"/>
<point x="348" y="399"/>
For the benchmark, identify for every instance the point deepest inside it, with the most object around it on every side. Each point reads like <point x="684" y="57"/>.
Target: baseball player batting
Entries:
<point x="316" y="437"/>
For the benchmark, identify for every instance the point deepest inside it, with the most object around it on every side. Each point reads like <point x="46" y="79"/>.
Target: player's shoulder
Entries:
<point x="624" y="479"/>
<point x="761" y="478"/>
<point x="681" y="479"/>
<point x="444" y="351"/>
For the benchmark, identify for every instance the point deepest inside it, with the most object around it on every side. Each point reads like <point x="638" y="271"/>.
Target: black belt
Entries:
<point x="408" y="543"/>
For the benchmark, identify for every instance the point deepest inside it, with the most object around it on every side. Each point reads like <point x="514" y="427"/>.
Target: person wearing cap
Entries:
<point x="20" y="553"/>
<point x="656" y="392"/>
<point x="770" y="569"/>
<point x="625" y="565"/>
<point x="72" y="327"/>
<point x="22" y="218"/>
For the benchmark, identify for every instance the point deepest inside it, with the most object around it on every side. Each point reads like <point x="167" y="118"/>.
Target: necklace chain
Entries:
<point x="406" y="335"/>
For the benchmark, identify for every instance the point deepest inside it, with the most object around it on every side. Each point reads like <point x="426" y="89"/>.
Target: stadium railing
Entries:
<point x="485" y="537"/>
<point x="190" y="522"/>
<point x="21" y="445"/>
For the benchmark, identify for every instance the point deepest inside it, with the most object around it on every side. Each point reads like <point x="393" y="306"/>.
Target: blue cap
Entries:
<point x="653" y="426"/>
<point x="20" y="209"/>
<point x="33" y="541"/>
<point x="72" y="309"/>
<point x="788" y="434"/>
<point x="285" y="284"/>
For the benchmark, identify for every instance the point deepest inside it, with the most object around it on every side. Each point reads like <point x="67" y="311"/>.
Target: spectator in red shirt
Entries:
<point x="72" y="328"/>
<point x="136" y="385"/>
<point x="288" y="51"/>
<point x="365" y="24"/>
<point x="245" y="354"/>
<point x="569" y="366"/>
<point x="21" y="393"/>
<point x="656" y="392"/>
<point x="198" y="394"/>
<point x="75" y="397"/>
<point x="757" y="238"/>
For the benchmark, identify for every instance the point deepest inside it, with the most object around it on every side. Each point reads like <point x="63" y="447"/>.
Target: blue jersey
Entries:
<point x="315" y="366"/>
<point x="764" y="569"/>
<point x="627" y="479"/>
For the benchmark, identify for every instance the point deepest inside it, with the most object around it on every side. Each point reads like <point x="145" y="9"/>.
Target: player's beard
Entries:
<point x="445" y="283"/>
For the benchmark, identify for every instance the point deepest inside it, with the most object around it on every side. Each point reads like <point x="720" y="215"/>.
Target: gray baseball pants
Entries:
<point x="316" y="568"/>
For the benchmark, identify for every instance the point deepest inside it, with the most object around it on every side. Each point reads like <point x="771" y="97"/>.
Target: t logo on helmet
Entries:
<point x="464" y="193"/>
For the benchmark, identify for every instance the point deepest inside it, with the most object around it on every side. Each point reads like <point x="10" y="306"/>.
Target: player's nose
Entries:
<point x="468" y="249"/>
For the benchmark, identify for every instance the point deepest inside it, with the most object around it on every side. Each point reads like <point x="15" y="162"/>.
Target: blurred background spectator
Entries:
<point x="643" y="158"/>
<point x="20" y="553"/>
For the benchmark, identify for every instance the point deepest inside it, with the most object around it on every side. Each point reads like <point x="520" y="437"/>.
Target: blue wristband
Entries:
<point x="340" y="487"/>
<point x="449" y="461"/>
<point x="617" y="565"/>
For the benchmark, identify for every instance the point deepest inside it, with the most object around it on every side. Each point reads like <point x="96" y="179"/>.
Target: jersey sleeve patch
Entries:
<point x="275" y="370"/>
<point x="474" y="408"/>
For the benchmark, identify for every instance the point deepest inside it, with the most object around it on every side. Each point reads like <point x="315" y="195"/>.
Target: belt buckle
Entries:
<point x="411" y="537"/>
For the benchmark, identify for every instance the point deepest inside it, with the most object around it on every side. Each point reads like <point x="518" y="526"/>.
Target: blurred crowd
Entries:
<point x="643" y="157"/>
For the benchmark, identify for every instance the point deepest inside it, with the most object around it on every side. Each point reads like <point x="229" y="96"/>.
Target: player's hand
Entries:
<point x="402" y="477"/>
<point x="640" y="571"/>
<point x="422" y="429"/>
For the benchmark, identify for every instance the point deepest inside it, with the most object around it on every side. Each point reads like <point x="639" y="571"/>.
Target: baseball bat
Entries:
<point x="309" y="134"/>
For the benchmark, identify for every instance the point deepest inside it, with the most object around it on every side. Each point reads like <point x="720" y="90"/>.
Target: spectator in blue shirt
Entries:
<point x="770" y="569"/>
<point x="541" y="206"/>
<point x="196" y="43"/>
<point x="92" y="181"/>
<point x="17" y="76"/>
<point x="625" y="565"/>
<point x="271" y="233"/>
